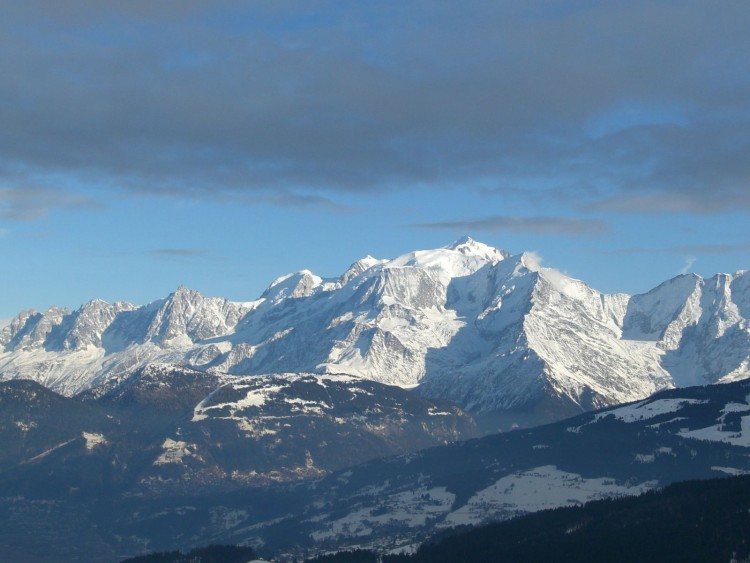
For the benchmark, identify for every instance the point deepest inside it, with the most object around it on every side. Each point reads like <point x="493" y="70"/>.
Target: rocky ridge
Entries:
<point x="494" y="332"/>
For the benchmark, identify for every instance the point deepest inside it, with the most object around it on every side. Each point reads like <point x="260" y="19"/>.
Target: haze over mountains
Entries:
<point x="496" y="333"/>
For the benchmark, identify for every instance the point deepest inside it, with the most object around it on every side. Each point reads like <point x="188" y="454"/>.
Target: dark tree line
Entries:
<point x="695" y="521"/>
<point x="210" y="554"/>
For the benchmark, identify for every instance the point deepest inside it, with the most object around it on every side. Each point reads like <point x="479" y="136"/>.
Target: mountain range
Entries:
<point x="509" y="341"/>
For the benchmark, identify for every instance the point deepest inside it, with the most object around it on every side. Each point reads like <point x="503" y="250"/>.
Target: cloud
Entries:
<point x="711" y="248"/>
<point x="689" y="261"/>
<point x="559" y="280"/>
<point x="524" y="225"/>
<point x="26" y="204"/>
<point x="178" y="252"/>
<point x="643" y="106"/>
<point x="703" y="169"/>
<point x="686" y="249"/>
<point x="305" y="201"/>
<point x="533" y="260"/>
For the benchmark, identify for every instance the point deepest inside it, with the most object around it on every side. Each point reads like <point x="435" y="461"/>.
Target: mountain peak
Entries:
<point x="464" y="240"/>
<point x="361" y="265"/>
<point x="298" y="284"/>
<point x="184" y="291"/>
<point x="470" y="247"/>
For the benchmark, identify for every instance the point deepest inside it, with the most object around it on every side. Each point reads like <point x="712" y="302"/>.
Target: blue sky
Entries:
<point x="144" y="145"/>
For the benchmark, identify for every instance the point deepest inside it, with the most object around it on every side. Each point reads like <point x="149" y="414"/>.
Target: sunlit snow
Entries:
<point x="647" y="409"/>
<point x="93" y="440"/>
<point x="537" y="489"/>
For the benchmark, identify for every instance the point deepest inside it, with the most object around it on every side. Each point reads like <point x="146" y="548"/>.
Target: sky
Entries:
<point x="218" y="145"/>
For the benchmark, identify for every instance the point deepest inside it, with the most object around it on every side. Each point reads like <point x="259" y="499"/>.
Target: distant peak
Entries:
<point x="470" y="247"/>
<point x="183" y="290"/>
<point x="464" y="240"/>
<point x="297" y="284"/>
<point x="361" y="265"/>
<point x="368" y="261"/>
<point x="94" y="304"/>
<point x="294" y="277"/>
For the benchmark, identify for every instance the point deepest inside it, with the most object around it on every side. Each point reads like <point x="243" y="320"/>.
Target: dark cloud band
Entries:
<point x="642" y="105"/>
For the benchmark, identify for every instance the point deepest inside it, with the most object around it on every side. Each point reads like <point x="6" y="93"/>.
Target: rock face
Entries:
<point x="495" y="333"/>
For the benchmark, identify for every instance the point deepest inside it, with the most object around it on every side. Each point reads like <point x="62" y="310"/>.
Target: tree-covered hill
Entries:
<point x="694" y="521"/>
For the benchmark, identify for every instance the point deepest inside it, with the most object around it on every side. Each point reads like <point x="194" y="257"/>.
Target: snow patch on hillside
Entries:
<point x="647" y="409"/>
<point x="174" y="451"/>
<point x="409" y="509"/>
<point x="716" y="433"/>
<point x="537" y="489"/>
<point x="93" y="440"/>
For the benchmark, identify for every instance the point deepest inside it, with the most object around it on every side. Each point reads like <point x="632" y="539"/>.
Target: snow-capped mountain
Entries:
<point x="496" y="333"/>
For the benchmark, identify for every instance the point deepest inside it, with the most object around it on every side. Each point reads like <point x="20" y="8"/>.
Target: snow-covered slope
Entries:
<point x="467" y="322"/>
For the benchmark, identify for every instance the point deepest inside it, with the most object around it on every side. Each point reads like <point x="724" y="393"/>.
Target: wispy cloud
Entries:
<point x="689" y="261"/>
<point x="523" y="225"/>
<point x="27" y="204"/>
<point x="688" y="249"/>
<point x="711" y="248"/>
<point x="178" y="252"/>
<point x="306" y="201"/>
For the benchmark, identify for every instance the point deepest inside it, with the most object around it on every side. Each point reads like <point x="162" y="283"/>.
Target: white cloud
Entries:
<point x="689" y="261"/>
<point x="532" y="260"/>
<point x="559" y="280"/>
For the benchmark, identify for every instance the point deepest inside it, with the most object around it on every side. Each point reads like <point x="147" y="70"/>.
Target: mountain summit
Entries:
<point x="494" y="332"/>
<point x="467" y="245"/>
